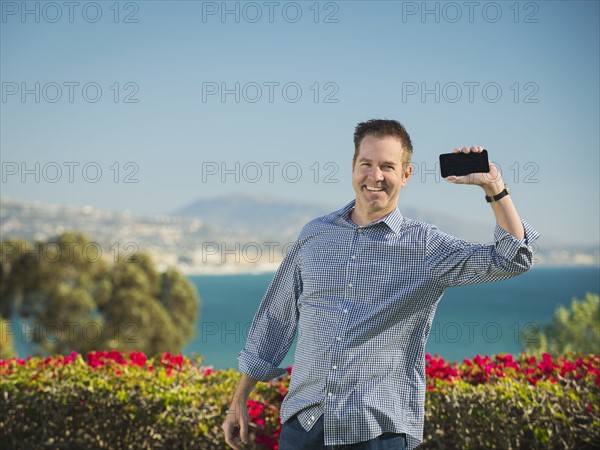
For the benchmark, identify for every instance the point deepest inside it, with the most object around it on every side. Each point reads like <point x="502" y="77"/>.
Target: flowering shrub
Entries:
<point x="521" y="403"/>
<point x="109" y="399"/>
<point x="525" y="368"/>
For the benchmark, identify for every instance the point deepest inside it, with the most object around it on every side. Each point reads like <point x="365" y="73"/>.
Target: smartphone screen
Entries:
<point x="463" y="163"/>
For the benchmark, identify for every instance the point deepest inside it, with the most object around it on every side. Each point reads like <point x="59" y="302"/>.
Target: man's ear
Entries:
<point x="407" y="173"/>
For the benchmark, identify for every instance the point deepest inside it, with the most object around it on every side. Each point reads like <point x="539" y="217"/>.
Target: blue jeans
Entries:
<point x="294" y="437"/>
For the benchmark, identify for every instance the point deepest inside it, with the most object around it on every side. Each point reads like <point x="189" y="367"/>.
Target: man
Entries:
<point x="361" y="286"/>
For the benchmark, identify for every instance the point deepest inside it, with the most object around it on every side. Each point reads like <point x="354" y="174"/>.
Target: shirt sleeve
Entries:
<point x="455" y="262"/>
<point x="274" y="324"/>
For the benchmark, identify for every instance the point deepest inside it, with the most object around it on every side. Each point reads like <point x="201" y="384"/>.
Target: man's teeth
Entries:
<point x="374" y="189"/>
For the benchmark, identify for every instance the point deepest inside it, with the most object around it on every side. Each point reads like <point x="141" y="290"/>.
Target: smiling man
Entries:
<point x="361" y="286"/>
<point x="379" y="170"/>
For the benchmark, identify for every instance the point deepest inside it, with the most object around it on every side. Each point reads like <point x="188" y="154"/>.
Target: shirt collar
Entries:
<point x="393" y="220"/>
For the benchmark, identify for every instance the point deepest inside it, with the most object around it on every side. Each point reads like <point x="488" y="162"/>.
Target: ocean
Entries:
<point x="470" y="320"/>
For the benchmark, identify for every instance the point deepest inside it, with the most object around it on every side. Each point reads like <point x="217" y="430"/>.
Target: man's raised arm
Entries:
<point x="504" y="209"/>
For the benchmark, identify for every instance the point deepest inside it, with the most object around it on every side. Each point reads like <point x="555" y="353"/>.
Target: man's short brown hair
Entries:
<point x="382" y="128"/>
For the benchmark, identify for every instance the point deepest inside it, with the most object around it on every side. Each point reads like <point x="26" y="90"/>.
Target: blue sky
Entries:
<point x="130" y="108"/>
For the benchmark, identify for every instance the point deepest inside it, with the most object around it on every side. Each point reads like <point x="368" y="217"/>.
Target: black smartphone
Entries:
<point x="464" y="163"/>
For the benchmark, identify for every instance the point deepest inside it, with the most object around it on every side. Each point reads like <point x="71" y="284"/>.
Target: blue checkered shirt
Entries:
<point x="362" y="299"/>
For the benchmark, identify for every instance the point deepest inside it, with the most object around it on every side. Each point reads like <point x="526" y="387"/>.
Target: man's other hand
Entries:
<point x="235" y="426"/>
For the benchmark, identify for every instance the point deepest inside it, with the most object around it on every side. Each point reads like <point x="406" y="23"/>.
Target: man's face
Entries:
<point x="378" y="176"/>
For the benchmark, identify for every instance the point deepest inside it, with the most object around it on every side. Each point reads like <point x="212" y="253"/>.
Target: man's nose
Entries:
<point x="376" y="173"/>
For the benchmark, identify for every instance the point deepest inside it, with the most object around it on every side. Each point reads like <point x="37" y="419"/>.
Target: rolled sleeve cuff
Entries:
<point x="257" y="368"/>
<point x="509" y="245"/>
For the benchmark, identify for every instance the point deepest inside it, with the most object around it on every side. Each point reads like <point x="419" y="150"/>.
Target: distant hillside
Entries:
<point x="262" y="217"/>
<point x="277" y="217"/>
<point x="222" y="235"/>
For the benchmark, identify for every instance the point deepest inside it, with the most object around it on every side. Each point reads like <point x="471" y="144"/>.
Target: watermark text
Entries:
<point x="71" y="12"/>
<point x="68" y="172"/>
<point x="69" y="92"/>
<point x="270" y="12"/>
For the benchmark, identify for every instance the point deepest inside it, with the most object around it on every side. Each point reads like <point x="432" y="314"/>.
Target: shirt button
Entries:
<point x="330" y="394"/>
<point x="349" y="284"/>
<point x="334" y="367"/>
<point x="312" y="417"/>
<point x="353" y="256"/>
<point x="345" y="311"/>
<point x="360" y="230"/>
<point x="338" y="339"/>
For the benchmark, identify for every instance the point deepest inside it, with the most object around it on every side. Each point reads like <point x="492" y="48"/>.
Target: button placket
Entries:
<point x="352" y="270"/>
<point x="350" y="275"/>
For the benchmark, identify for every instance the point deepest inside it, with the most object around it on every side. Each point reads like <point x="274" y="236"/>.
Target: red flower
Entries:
<point x="94" y="359"/>
<point x="138" y="358"/>
<point x="116" y="356"/>
<point x="546" y="365"/>
<point x="255" y="409"/>
<point x="72" y="357"/>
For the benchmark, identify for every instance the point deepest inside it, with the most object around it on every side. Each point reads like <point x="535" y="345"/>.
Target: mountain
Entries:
<point x="269" y="217"/>
<point x="262" y="217"/>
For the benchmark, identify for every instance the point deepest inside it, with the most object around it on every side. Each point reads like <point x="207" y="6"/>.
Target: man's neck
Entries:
<point x="362" y="218"/>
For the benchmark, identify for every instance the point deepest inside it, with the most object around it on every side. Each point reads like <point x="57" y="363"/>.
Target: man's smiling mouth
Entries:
<point x="374" y="189"/>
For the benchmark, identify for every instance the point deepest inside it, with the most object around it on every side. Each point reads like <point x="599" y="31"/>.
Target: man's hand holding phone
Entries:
<point x="470" y="165"/>
<point x="496" y="192"/>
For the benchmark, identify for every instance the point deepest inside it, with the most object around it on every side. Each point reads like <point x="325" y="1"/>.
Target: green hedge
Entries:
<point x="111" y="400"/>
<point x="74" y="406"/>
<point x="513" y="415"/>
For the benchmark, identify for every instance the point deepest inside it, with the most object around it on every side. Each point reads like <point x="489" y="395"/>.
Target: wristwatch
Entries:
<point x="495" y="198"/>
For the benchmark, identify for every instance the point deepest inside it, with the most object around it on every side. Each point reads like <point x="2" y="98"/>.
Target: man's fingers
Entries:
<point x="453" y="179"/>
<point x="231" y="435"/>
<point x="243" y="428"/>
<point x="234" y="429"/>
<point x="466" y="149"/>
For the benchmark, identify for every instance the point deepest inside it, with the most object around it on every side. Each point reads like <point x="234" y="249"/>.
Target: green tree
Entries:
<point x="71" y="299"/>
<point x="143" y="321"/>
<point x="177" y="296"/>
<point x="13" y="272"/>
<point x="6" y="339"/>
<point x="575" y="329"/>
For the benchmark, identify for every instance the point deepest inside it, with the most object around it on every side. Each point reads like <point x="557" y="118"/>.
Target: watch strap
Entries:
<point x="495" y="198"/>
